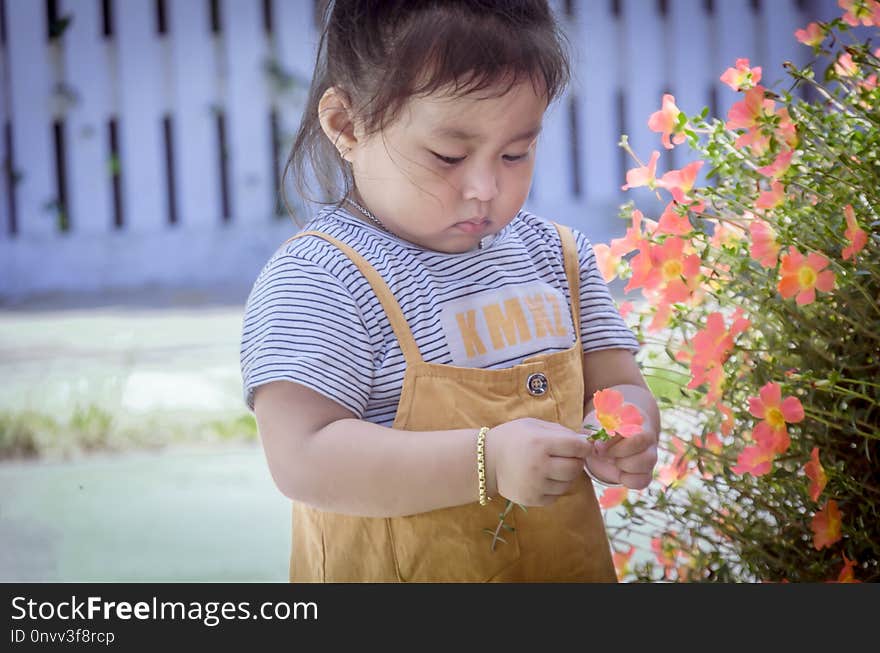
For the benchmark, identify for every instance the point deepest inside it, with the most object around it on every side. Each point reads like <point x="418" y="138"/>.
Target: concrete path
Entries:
<point x="205" y="513"/>
<point x="185" y="514"/>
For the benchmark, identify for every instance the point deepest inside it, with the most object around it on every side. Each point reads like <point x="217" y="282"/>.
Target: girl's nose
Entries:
<point x="480" y="183"/>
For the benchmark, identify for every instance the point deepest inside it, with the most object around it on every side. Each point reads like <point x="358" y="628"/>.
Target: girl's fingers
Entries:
<point x="641" y="463"/>
<point x="619" y="447"/>
<point x="604" y="469"/>
<point x="636" y="481"/>
<point x="555" y="488"/>
<point x="564" y="469"/>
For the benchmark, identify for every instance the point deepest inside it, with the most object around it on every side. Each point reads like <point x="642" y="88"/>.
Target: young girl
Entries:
<point x="425" y="350"/>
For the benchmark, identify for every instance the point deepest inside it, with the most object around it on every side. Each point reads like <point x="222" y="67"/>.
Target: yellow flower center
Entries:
<point x="672" y="270"/>
<point x="774" y="418"/>
<point x="609" y="422"/>
<point x="807" y="277"/>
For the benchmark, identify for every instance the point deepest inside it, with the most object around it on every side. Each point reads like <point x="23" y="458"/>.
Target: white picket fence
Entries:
<point x="138" y="145"/>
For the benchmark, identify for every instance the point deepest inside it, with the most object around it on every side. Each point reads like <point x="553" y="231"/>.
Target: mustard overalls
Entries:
<point x="562" y="542"/>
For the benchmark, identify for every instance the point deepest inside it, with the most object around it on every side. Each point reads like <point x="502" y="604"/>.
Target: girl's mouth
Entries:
<point x="473" y="226"/>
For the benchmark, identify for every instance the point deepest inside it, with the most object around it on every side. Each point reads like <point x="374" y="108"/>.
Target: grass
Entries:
<point x="31" y="434"/>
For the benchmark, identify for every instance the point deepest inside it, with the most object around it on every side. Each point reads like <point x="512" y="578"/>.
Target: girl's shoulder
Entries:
<point x="333" y="223"/>
<point x="543" y="234"/>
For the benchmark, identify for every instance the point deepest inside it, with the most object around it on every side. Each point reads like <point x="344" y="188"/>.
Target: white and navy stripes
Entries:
<point x="312" y="317"/>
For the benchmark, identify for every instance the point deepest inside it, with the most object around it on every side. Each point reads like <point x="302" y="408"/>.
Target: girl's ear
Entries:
<point x="337" y="121"/>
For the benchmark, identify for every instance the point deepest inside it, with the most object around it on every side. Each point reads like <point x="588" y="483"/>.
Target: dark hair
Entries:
<point x="382" y="52"/>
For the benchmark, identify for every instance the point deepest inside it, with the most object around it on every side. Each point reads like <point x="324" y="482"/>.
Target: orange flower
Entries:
<point x="741" y="77"/>
<point x="681" y="182"/>
<point x="615" y="416"/>
<point x="776" y="169"/>
<point x="845" y="66"/>
<point x="728" y="421"/>
<point x="672" y="223"/>
<point x="633" y="238"/>
<point x="678" y="469"/>
<point x="613" y="496"/>
<point x="775" y="412"/>
<point x="826" y="525"/>
<point x="856" y="236"/>
<point x="749" y="112"/>
<point x="724" y="234"/>
<point x="772" y="198"/>
<point x="713" y="443"/>
<point x="712" y="346"/>
<point x="606" y="261"/>
<point x="621" y="561"/>
<point x="860" y="11"/>
<point x="755" y="460"/>
<point x="802" y="275"/>
<point x="816" y="473"/>
<point x="666" y="551"/>
<point x="846" y="574"/>
<point x="643" y="176"/>
<point x="665" y="121"/>
<point x="764" y="248"/>
<point x="755" y="140"/>
<point x="665" y="268"/>
<point x="786" y="130"/>
<point x="813" y="35"/>
<point x="714" y="343"/>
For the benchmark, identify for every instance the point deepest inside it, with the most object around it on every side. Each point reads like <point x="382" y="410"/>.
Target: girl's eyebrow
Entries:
<point x="464" y="135"/>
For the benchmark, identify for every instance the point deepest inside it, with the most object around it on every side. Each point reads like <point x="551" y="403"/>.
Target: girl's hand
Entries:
<point x="625" y="461"/>
<point x="533" y="462"/>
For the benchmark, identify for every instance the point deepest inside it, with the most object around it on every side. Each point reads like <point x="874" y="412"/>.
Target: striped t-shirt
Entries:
<point x="312" y="317"/>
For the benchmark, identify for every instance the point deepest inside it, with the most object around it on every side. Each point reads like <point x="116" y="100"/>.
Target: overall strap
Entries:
<point x="572" y="273"/>
<point x="392" y="309"/>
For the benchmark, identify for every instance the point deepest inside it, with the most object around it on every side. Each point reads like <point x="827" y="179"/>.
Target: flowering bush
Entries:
<point x="761" y="327"/>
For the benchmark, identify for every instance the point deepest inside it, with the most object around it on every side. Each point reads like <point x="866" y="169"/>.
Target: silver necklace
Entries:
<point x="368" y="214"/>
<point x="372" y="218"/>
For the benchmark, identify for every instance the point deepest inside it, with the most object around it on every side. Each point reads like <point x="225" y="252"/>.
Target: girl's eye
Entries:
<point x="450" y="160"/>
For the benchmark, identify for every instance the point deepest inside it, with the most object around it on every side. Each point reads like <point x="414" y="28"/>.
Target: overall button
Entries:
<point x="536" y="384"/>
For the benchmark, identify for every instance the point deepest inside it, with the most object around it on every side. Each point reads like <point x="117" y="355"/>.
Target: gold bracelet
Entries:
<point x="481" y="465"/>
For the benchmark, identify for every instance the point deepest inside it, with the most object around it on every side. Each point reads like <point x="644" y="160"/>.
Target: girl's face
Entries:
<point x="451" y="170"/>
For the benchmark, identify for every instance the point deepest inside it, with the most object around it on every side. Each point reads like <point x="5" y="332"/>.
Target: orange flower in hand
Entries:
<point x="615" y="416"/>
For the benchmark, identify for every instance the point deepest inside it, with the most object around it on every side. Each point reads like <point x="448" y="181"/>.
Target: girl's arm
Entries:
<point x="321" y="454"/>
